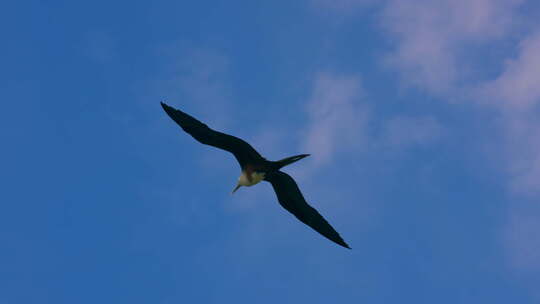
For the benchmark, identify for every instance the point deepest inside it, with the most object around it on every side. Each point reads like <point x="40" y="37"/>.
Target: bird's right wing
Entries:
<point x="243" y="151"/>
<point x="290" y="198"/>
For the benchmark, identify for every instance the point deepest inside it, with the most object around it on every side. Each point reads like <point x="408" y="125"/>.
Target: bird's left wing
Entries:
<point x="290" y="198"/>
<point x="243" y="151"/>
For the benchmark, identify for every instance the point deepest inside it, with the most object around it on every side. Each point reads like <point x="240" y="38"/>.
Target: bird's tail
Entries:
<point x="289" y="160"/>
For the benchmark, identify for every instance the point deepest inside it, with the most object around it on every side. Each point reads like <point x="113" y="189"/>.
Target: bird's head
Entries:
<point x="242" y="181"/>
<point x="248" y="181"/>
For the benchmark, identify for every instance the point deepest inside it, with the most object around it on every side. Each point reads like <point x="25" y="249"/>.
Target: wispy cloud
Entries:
<point x="433" y="48"/>
<point x="430" y="38"/>
<point x="338" y="117"/>
<point x="516" y="95"/>
<point x="340" y="122"/>
<point x="522" y="151"/>
<point x="516" y="88"/>
<point x="432" y="41"/>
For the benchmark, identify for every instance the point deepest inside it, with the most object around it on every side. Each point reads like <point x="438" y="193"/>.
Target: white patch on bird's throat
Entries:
<point x="256" y="177"/>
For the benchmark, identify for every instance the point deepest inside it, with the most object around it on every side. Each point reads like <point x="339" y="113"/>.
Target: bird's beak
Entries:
<point x="236" y="188"/>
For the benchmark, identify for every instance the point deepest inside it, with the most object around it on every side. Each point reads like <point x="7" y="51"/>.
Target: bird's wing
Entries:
<point x="243" y="151"/>
<point x="290" y="198"/>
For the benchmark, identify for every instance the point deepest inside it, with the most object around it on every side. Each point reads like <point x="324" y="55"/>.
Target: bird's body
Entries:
<point x="255" y="168"/>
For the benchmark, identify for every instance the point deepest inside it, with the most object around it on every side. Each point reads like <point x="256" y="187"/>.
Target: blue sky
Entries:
<point x="421" y="118"/>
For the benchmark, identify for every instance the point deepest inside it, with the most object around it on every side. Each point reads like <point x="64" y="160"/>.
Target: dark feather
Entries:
<point x="243" y="151"/>
<point x="290" y="198"/>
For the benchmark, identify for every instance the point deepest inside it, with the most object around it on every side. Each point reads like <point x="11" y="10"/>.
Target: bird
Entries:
<point x="255" y="168"/>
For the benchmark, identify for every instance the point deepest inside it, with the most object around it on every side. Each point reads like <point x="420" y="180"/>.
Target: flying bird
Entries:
<point x="256" y="168"/>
